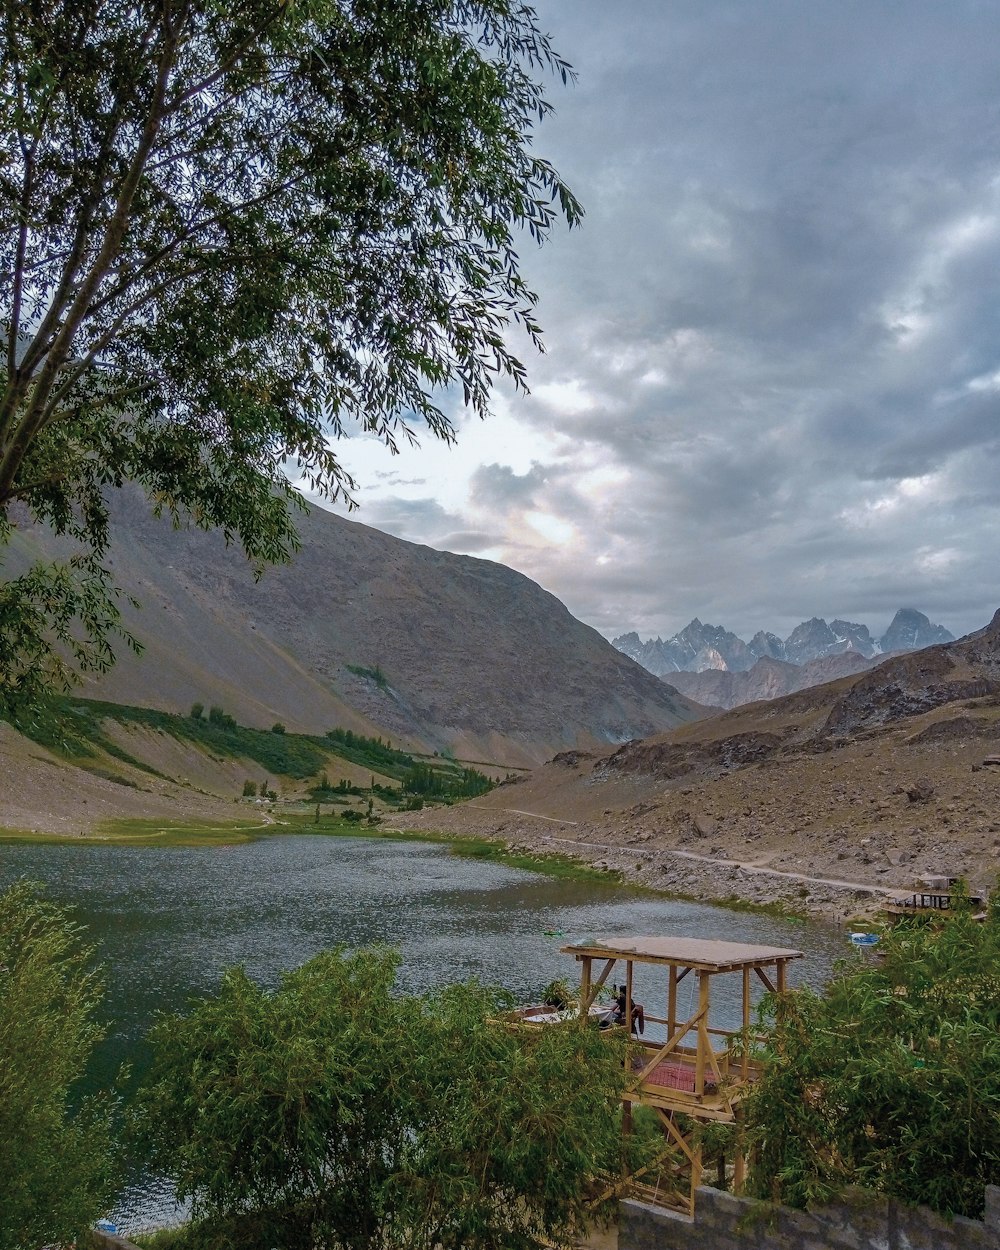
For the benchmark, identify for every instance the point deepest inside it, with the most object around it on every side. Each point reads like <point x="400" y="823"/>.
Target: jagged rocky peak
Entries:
<point x="766" y="646"/>
<point x="855" y="637"/>
<point x="809" y="640"/>
<point x="699" y="647"/>
<point x="629" y="644"/>
<point x="910" y="630"/>
<point x="691" y="647"/>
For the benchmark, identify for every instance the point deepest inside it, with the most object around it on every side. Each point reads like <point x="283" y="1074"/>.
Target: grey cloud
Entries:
<point x="497" y="486"/>
<point x="775" y="192"/>
<point x="468" y="541"/>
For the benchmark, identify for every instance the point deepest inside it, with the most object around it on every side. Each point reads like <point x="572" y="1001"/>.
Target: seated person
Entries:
<point x="638" y="1012"/>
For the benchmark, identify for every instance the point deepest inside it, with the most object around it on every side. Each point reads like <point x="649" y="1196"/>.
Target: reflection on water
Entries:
<point x="168" y="920"/>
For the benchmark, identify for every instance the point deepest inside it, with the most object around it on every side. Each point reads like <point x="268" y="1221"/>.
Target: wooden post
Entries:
<point x="745" y="1064"/>
<point x="629" y="1027"/>
<point x="704" y="1041"/>
<point x="672" y="1002"/>
<point x="585" y="989"/>
<point x="695" y="1173"/>
<point x="780" y="982"/>
<point x="739" y="1158"/>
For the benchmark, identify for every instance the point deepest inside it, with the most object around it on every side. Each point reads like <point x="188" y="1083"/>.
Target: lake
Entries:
<point x="167" y="921"/>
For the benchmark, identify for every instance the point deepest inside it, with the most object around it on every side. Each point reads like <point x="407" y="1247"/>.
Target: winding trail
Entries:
<point x="749" y="866"/>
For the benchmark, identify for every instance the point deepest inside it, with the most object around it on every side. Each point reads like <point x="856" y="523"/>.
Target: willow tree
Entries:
<point x="233" y="233"/>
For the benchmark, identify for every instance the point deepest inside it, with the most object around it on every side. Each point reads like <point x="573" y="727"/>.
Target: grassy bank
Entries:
<point x="155" y="833"/>
<point x="194" y="833"/>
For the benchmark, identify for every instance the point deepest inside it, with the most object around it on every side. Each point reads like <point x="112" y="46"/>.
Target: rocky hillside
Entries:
<point x="440" y="652"/>
<point x="872" y="780"/>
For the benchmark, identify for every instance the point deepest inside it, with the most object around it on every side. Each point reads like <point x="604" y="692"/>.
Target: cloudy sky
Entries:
<point x="772" y="382"/>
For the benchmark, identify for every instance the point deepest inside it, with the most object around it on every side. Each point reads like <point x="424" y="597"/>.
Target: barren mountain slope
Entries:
<point x="768" y="679"/>
<point x="454" y="652"/>
<point x="874" y="779"/>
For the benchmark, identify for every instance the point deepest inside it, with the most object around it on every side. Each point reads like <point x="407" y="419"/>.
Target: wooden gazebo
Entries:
<point x="700" y="1072"/>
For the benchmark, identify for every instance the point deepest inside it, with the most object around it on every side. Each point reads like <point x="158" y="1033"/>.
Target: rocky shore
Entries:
<point x="685" y="874"/>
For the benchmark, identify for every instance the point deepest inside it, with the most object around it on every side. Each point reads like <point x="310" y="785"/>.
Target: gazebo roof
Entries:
<point x="685" y="952"/>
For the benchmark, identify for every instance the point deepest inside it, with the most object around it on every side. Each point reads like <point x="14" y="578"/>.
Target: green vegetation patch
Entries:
<point x="77" y="730"/>
<point x="552" y="864"/>
<point x="369" y="752"/>
<point x="369" y="674"/>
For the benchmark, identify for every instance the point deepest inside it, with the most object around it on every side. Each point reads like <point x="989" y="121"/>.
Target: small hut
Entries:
<point x="700" y="1071"/>
<point x="934" y="896"/>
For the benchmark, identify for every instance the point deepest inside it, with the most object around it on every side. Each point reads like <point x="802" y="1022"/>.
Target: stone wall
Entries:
<point x="859" y="1221"/>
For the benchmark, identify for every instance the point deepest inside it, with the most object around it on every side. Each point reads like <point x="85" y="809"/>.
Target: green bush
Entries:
<point x="277" y="727"/>
<point x="890" y="1078"/>
<point x="337" y="1112"/>
<point x="249" y="789"/>
<point x="197" y="709"/>
<point x="58" y="1172"/>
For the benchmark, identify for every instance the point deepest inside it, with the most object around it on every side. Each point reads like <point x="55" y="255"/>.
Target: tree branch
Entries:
<point x="33" y="417"/>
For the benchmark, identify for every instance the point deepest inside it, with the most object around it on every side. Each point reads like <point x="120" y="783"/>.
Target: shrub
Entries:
<point x="890" y="1077"/>
<point x="337" y="1112"/>
<point x="196" y="710"/>
<point x="277" y="727"/>
<point x="57" y="1169"/>
<point x="249" y="789"/>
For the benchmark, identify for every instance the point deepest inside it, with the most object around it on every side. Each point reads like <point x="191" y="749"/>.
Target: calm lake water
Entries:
<point x="167" y="921"/>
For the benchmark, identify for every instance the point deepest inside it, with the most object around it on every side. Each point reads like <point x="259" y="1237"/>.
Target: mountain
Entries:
<point x="699" y="648"/>
<point x="695" y="648"/>
<point x="821" y="798"/>
<point x="910" y="630"/>
<point x="768" y="679"/>
<point x="439" y="651"/>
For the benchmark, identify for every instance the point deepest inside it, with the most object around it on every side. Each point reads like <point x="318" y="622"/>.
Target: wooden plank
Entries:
<point x="689" y="952"/>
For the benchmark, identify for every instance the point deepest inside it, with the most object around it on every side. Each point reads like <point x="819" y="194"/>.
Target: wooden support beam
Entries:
<point x="765" y="978"/>
<point x="587" y="998"/>
<point x="674" y="1133"/>
<point x="704" y="1044"/>
<point x="629" y="1029"/>
<point x="739" y="1159"/>
<point x="745" y="1061"/>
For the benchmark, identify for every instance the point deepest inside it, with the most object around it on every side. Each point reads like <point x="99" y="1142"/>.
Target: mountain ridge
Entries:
<point x="361" y="629"/>
<point x="699" y="646"/>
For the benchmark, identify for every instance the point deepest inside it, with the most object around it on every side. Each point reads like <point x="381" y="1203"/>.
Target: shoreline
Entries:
<point x="690" y="877"/>
<point x="665" y="872"/>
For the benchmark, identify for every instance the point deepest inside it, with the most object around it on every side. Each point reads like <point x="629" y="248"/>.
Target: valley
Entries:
<point x="325" y="686"/>
<point x="872" y="780"/>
